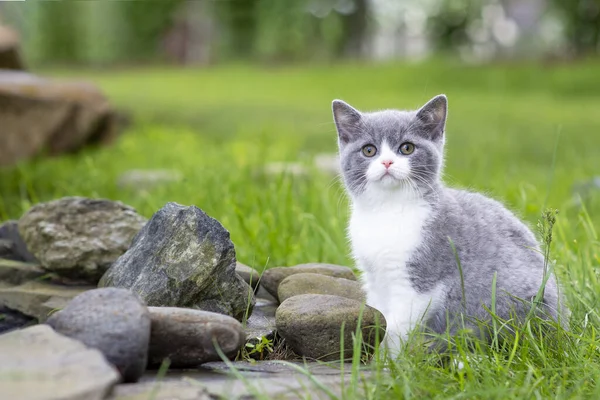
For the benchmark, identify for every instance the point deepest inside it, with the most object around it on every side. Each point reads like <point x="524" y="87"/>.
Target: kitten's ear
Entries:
<point x="433" y="116"/>
<point x="347" y="120"/>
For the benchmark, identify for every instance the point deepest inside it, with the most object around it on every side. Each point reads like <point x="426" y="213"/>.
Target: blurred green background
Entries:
<point x="231" y="100"/>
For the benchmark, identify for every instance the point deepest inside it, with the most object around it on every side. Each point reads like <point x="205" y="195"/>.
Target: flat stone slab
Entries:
<point x="268" y="379"/>
<point x="17" y="272"/>
<point x="40" y="364"/>
<point x="38" y="299"/>
<point x="275" y="367"/>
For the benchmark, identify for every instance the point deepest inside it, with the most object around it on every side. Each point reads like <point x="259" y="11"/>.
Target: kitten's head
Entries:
<point x="390" y="149"/>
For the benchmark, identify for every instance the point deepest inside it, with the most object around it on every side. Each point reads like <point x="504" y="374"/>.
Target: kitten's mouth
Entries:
<point x="388" y="177"/>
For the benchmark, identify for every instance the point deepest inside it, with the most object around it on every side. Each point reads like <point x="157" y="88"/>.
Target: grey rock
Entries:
<point x="183" y="258"/>
<point x="11" y="320"/>
<point x="272" y="277"/>
<point x="309" y="283"/>
<point x="16" y="249"/>
<point x="249" y="275"/>
<point x="290" y="367"/>
<point x="40" y="364"/>
<point x="311" y="325"/>
<point x="6" y="249"/>
<point x="171" y="390"/>
<point x="114" y="321"/>
<point x="262" y="293"/>
<point x="17" y="272"/>
<point x="38" y="299"/>
<point x="185" y="336"/>
<point x="79" y="237"/>
<point x="262" y="379"/>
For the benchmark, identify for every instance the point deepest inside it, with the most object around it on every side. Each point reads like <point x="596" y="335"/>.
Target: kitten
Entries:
<point x="403" y="217"/>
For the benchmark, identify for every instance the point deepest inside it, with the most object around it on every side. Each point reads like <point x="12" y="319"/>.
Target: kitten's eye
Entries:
<point x="407" y="148"/>
<point x="369" y="150"/>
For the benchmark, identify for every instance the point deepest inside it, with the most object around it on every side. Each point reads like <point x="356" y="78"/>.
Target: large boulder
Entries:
<point x="187" y="337"/>
<point x="311" y="325"/>
<point x="77" y="237"/>
<point x="10" y="56"/>
<point x="40" y="116"/>
<point x="40" y="364"/>
<point x="183" y="258"/>
<point x="114" y="321"/>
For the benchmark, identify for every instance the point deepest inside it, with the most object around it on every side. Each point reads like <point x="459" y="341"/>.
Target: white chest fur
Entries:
<point x="384" y="236"/>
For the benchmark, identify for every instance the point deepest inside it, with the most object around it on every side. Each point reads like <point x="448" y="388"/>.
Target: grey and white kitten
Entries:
<point x="402" y="221"/>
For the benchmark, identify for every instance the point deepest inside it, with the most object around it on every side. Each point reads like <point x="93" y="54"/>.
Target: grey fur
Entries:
<point x="489" y="239"/>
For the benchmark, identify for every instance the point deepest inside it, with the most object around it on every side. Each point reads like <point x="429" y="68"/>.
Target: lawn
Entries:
<point x="524" y="134"/>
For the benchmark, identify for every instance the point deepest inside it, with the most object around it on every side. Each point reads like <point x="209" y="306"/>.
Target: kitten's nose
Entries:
<point x="387" y="163"/>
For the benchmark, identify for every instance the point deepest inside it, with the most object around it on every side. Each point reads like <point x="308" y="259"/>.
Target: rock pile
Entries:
<point x="171" y="291"/>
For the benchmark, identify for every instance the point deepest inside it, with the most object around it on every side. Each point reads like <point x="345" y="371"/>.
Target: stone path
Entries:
<point x="268" y="379"/>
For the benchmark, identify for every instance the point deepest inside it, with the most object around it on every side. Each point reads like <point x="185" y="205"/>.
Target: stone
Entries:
<point x="10" y="55"/>
<point x="309" y="283"/>
<point x="139" y="179"/>
<point x="11" y="320"/>
<point x="18" y="272"/>
<point x="6" y="249"/>
<point x="180" y="390"/>
<point x="40" y="364"/>
<point x="272" y="277"/>
<point x="311" y="325"/>
<point x="114" y="321"/>
<point x="78" y="237"/>
<point x="38" y="299"/>
<point x="262" y="379"/>
<point x="51" y="117"/>
<point x="9" y="233"/>
<point x="183" y="258"/>
<point x="249" y="275"/>
<point x="261" y="324"/>
<point x="185" y="336"/>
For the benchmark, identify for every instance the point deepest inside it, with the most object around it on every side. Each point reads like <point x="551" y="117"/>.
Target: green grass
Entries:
<point x="522" y="134"/>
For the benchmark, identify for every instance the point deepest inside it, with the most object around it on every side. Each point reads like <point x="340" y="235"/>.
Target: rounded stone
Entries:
<point x="272" y="277"/>
<point x="311" y="325"/>
<point x="77" y="237"/>
<point x="112" y="320"/>
<point x="309" y="283"/>
<point x="187" y="337"/>
<point x="249" y="275"/>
